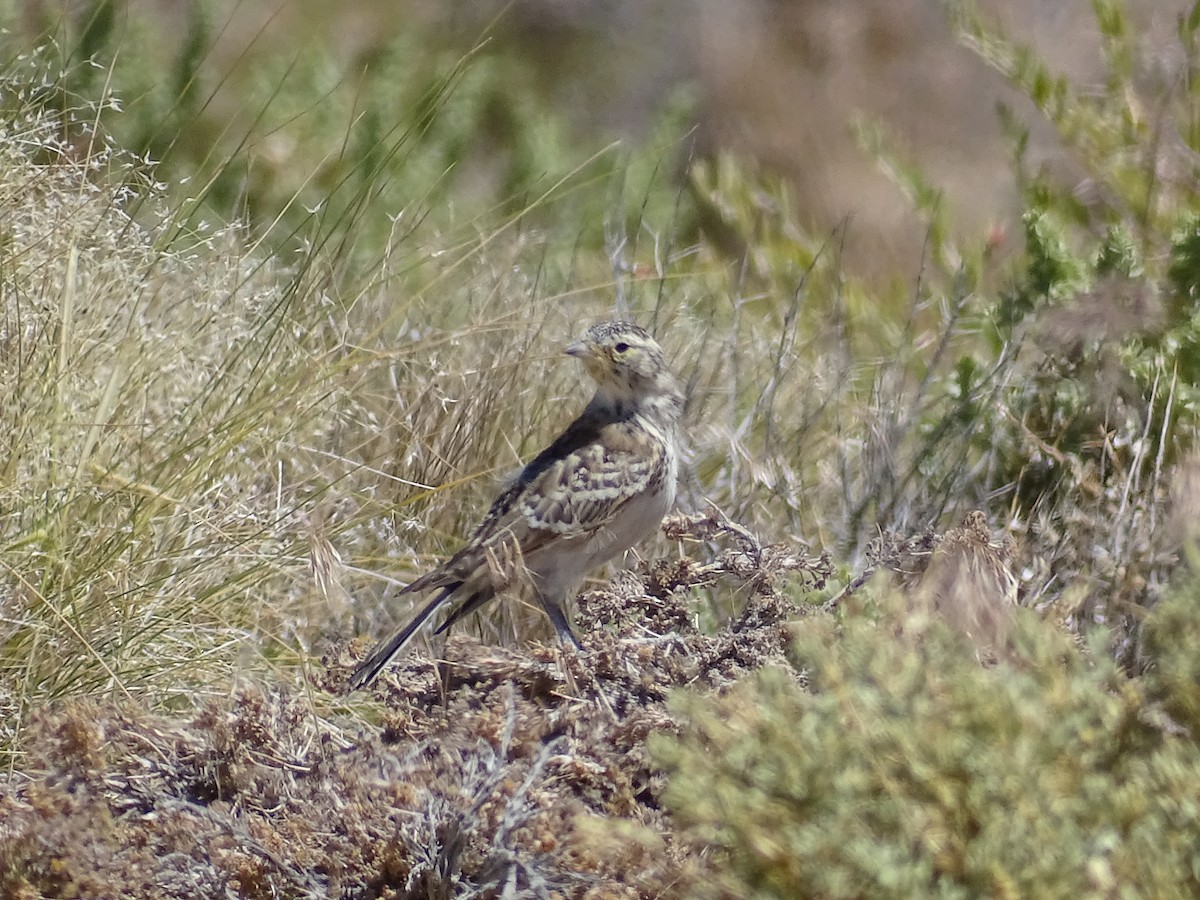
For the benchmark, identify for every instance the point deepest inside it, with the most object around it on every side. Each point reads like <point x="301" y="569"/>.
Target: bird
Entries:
<point x="598" y="489"/>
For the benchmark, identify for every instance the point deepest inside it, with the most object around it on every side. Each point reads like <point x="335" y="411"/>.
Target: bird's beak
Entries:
<point x="595" y="363"/>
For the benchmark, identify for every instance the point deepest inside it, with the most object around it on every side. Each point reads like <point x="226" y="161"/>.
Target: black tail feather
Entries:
<point x="467" y="607"/>
<point x="369" y="669"/>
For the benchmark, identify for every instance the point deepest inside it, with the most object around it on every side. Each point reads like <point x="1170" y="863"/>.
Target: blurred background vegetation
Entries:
<point x="284" y="285"/>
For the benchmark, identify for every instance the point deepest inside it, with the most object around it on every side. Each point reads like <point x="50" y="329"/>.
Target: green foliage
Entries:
<point x="1109" y="133"/>
<point x="910" y="770"/>
<point x="1060" y="384"/>
<point x="410" y="129"/>
<point x="1119" y="255"/>
<point x="748" y="215"/>
<point x="1051" y="270"/>
<point x="1099" y="354"/>
<point x="1071" y="382"/>
<point x="1184" y="271"/>
<point x="1172" y="641"/>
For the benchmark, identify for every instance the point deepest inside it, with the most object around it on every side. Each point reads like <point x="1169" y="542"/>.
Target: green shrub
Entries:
<point x="907" y="769"/>
<point x="1172" y="639"/>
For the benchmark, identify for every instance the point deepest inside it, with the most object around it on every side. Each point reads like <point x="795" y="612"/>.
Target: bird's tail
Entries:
<point x="370" y="667"/>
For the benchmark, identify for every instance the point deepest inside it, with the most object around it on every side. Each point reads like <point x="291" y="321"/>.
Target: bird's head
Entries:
<point x="626" y="362"/>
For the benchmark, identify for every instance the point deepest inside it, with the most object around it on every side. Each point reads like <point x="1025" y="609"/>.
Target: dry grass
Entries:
<point x="143" y="393"/>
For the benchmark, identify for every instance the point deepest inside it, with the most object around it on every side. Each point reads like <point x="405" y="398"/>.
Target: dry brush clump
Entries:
<point x="490" y="771"/>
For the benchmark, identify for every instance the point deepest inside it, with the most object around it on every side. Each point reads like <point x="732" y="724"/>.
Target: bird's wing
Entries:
<point x="575" y="487"/>
<point x="585" y="490"/>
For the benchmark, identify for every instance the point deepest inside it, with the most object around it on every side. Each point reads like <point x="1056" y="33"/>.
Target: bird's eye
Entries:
<point x="621" y="347"/>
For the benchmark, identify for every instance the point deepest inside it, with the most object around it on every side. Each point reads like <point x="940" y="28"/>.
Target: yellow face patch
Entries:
<point x="598" y="365"/>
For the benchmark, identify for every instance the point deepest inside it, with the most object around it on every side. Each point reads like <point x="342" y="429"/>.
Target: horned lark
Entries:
<point x="603" y="485"/>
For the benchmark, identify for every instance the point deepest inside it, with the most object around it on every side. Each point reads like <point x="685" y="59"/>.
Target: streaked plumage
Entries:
<point x="603" y="485"/>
